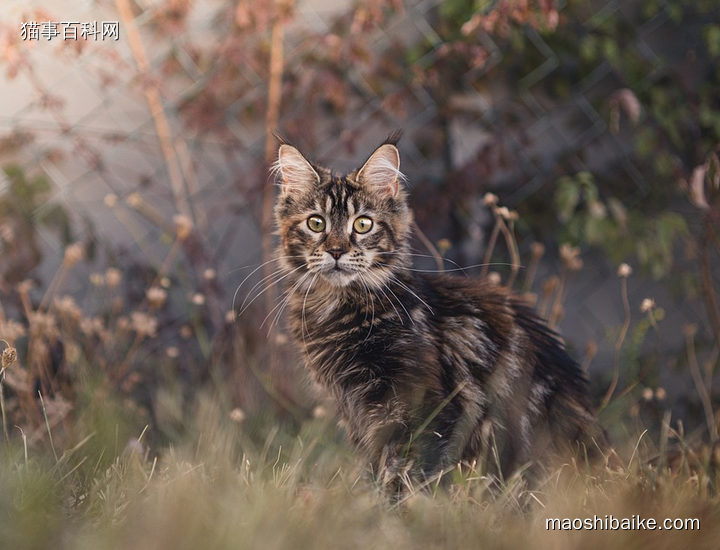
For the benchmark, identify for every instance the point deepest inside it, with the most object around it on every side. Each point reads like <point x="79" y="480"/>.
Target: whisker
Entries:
<point x="267" y="278"/>
<point x="255" y="271"/>
<point x="283" y="300"/>
<point x="451" y="270"/>
<point x="302" y="316"/>
<point x="403" y="285"/>
<point x="380" y="285"/>
<point x="276" y="281"/>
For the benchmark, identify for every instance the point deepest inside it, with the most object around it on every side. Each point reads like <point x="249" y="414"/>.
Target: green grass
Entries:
<point x="255" y="485"/>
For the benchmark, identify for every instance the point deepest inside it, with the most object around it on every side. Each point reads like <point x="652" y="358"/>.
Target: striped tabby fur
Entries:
<point x="426" y="370"/>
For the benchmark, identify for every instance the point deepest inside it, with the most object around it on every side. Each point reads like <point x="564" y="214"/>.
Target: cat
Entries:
<point x="426" y="370"/>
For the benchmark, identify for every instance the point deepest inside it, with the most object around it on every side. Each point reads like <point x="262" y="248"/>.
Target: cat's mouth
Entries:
<point x="338" y="275"/>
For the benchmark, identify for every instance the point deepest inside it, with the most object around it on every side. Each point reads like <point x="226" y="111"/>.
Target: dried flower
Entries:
<point x="624" y="270"/>
<point x="165" y="282"/>
<point x="24" y="286"/>
<point x="9" y="356"/>
<point x="647" y="394"/>
<point x="198" y="299"/>
<point x="444" y="245"/>
<point x="570" y="256"/>
<point x="67" y="307"/>
<point x="183" y="226"/>
<point x="319" y="412"/>
<point x="230" y="316"/>
<point x="209" y="274"/>
<point x="111" y="200"/>
<point x="43" y="325"/>
<point x="73" y="254"/>
<point x="97" y="279"/>
<point x="237" y="415"/>
<point x="490" y="199"/>
<point x="92" y="326"/>
<point x="494" y="278"/>
<point x="537" y="249"/>
<point x="113" y="277"/>
<point x="504" y="212"/>
<point x="143" y="324"/>
<point x="134" y="200"/>
<point x="156" y="296"/>
<point x="172" y="352"/>
<point x="648" y="304"/>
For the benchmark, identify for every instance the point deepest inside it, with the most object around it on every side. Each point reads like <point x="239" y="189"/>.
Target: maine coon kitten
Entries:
<point x="426" y="370"/>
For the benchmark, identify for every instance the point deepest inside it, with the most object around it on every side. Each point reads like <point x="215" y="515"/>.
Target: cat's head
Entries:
<point x="343" y="229"/>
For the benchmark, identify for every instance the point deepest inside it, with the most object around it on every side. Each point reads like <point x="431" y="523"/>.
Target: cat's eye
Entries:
<point x="316" y="223"/>
<point x="362" y="224"/>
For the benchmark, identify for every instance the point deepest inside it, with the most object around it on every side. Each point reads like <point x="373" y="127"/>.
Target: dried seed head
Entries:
<point x="143" y="324"/>
<point x="113" y="277"/>
<point x="209" y="274"/>
<point x="597" y="210"/>
<point x="444" y="245"/>
<point x="660" y="394"/>
<point x="537" y="249"/>
<point x="504" y="212"/>
<point x="156" y="296"/>
<point x="172" y="352"/>
<point x="111" y="200"/>
<point x="237" y="415"/>
<point x="24" y="286"/>
<point x="647" y="394"/>
<point x="198" y="299"/>
<point x="67" y="307"/>
<point x="624" y="270"/>
<point x="165" y="282"/>
<point x="91" y="326"/>
<point x="319" y="412"/>
<point x="230" y="316"/>
<point x="9" y="356"/>
<point x="648" y="304"/>
<point x="134" y="200"/>
<point x="494" y="278"/>
<point x="43" y="325"/>
<point x="73" y="254"/>
<point x="490" y="199"/>
<point x="183" y="226"/>
<point x="97" y="279"/>
<point x="570" y="256"/>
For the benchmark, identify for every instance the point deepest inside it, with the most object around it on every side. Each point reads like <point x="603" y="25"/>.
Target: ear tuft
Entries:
<point x="381" y="173"/>
<point x="296" y="173"/>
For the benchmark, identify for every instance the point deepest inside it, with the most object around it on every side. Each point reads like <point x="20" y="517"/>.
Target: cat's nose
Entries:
<point x="336" y="252"/>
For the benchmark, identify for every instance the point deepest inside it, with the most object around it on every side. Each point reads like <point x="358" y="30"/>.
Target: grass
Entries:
<point x="254" y="485"/>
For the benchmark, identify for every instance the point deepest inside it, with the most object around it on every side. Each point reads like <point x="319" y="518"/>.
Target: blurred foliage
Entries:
<point x="589" y="220"/>
<point x="21" y="216"/>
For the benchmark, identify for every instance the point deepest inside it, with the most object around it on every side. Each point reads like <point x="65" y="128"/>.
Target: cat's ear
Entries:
<point x="296" y="173"/>
<point x="381" y="173"/>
